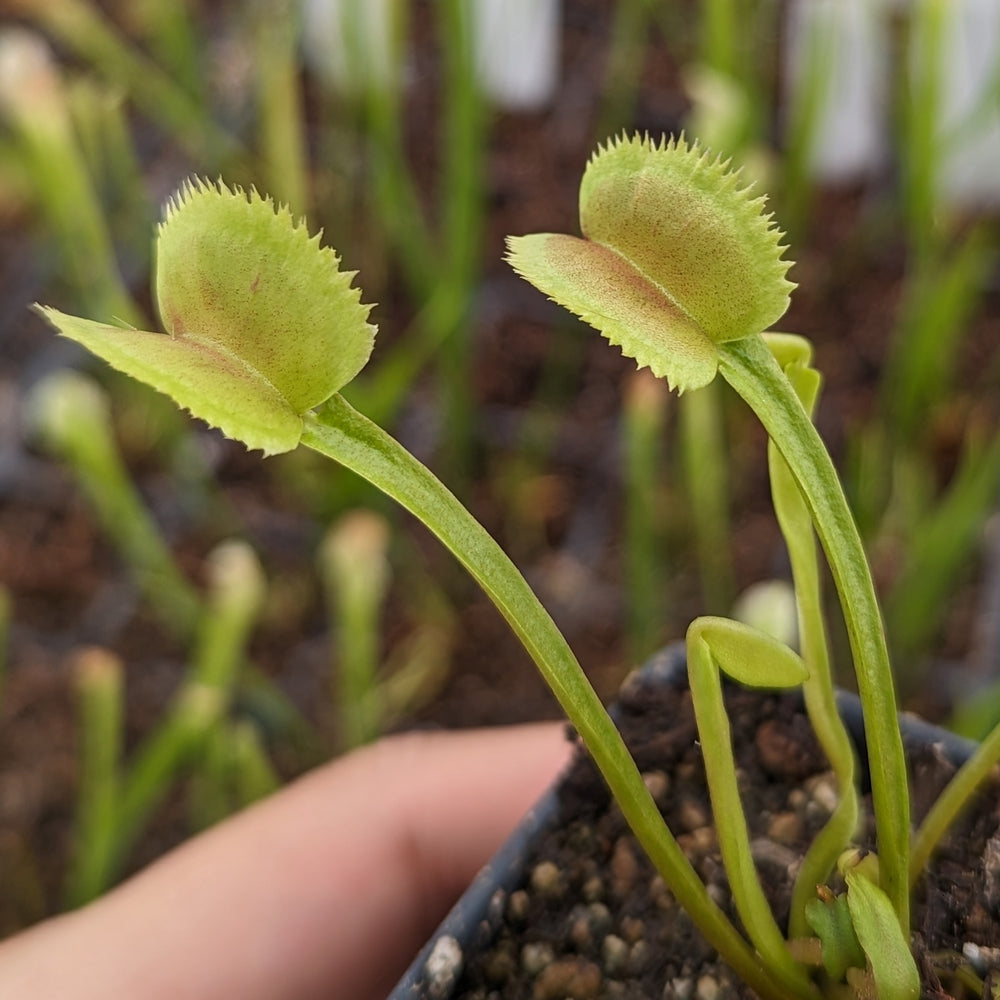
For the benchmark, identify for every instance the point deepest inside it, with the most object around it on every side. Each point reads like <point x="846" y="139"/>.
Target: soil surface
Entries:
<point x="593" y="919"/>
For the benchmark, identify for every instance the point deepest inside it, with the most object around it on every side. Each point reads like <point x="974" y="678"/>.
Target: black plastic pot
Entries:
<point x="473" y="921"/>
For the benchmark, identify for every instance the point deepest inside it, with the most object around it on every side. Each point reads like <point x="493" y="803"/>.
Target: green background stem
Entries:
<point x="100" y="687"/>
<point x="703" y="452"/>
<point x="643" y="426"/>
<point x="341" y="433"/>
<point x="751" y="369"/>
<point x="355" y="576"/>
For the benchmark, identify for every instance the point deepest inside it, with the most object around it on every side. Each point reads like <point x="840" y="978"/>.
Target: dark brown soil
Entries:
<point x="594" y="920"/>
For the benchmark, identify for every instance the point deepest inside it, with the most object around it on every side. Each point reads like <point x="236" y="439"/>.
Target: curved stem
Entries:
<point x="796" y="526"/>
<point x="714" y="732"/>
<point x="341" y="433"/>
<point x="752" y="371"/>
<point x="952" y="800"/>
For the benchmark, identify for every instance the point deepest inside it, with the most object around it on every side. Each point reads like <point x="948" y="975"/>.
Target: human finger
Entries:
<point x="325" y="890"/>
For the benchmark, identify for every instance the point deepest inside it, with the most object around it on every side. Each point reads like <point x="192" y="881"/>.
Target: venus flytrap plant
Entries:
<point x="262" y="332"/>
<point x="227" y="269"/>
<point x="682" y="269"/>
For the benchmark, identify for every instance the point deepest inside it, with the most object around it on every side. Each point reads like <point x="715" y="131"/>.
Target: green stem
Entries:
<point x="280" y="104"/>
<point x="38" y="110"/>
<point x="73" y="417"/>
<point x="796" y="526"/>
<point x="397" y="199"/>
<point x="705" y="679"/>
<point x="236" y="592"/>
<point x="752" y="371"/>
<point x="462" y="214"/>
<point x="254" y="774"/>
<point x="720" y="45"/>
<point x="90" y="34"/>
<point x="341" y="433"/>
<point x="196" y="710"/>
<point x="952" y="800"/>
<point x="703" y="450"/>
<point x="100" y="687"/>
<point x="623" y="67"/>
<point x="643" y="433"/>
<point x="354" y="570"/>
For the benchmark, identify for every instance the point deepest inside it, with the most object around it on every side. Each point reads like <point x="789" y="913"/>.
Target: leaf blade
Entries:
<point x="202" y="378"/>
<point x="878" y="930"/>
<point x="608" y="292"/>
<point x="235" y="270"/>
<point x="685" y="222"/>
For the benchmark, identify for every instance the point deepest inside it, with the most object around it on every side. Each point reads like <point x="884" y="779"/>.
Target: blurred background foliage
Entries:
<point x="183" y="627"/>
